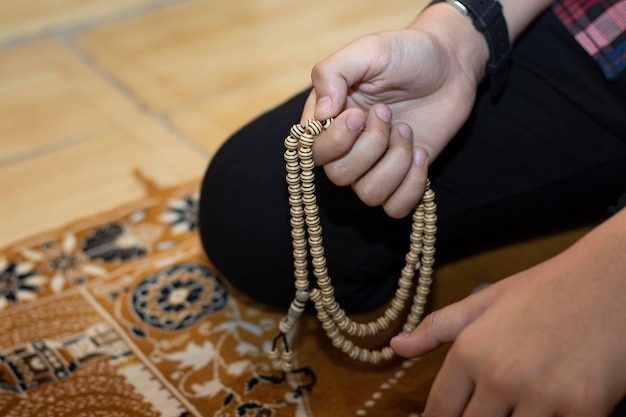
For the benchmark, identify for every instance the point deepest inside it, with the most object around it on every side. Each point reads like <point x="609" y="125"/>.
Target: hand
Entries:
<point x="548" y="341"/>
<point x="398" y="98"/>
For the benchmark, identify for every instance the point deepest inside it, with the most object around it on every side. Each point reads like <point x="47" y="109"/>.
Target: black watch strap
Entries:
<point x="488" y="18"/>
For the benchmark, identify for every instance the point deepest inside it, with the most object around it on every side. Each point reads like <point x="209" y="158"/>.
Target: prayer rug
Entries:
<point x="122" y="314"/>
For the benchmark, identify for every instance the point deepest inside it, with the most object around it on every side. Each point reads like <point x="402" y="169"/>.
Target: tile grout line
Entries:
<point x="73" y="28"/>
<point x="51" y="147"/>
<point x="120" y="87"/>
<point x="67" y="35"/>
<point x="88" y="60"/>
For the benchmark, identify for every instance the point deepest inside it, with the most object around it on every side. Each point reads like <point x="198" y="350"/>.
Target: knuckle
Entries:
<point x="586" y="399"/>
<point x="396" y="211"/>
<point x="338" y="173"/>
<point x="341" y="145"/>
<point x="467" y="352"/>
<point x="319" y="70"/>
<point x="369" y="193"/>
<point x="431" y="323"/>
<point x="428" y="322"/>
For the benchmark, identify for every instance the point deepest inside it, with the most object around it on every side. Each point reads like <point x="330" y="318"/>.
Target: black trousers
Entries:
<point x="551" y="148"/>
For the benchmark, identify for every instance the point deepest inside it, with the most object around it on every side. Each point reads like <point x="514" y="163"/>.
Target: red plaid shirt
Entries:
<point x="599" y="26"/>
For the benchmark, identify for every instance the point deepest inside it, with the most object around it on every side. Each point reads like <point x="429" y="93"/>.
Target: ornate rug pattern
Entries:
<point x="122" y="315"/>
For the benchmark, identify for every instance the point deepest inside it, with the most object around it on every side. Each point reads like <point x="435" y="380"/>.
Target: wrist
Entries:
<point x="456" y="33"/>
<point x="488" y="19"/>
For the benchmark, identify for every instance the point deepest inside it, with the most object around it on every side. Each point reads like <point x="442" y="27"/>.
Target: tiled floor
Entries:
<point x="93" y="90"/>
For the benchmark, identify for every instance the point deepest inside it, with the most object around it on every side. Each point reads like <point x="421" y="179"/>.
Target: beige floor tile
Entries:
<point x="89" y="177"/>
<point x="211" y="122"/>
<point x="194" y="50"/>
<point x="28" y="18"/>
<point x="47" y="95"/>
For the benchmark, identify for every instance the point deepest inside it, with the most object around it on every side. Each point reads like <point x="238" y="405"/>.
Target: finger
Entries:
<point x="409" y="193"/>
<point x="339" y="138"/>
<point x="370" y="146"/>
<point x="333" y="76"/>
<point x="451" y="391"/>
<point x="443" y="326"/>
<point x="385" y="176"/>
<point x="309" y="108"/>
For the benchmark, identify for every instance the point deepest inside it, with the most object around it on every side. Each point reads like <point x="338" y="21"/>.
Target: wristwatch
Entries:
<point x="488" y="19"/>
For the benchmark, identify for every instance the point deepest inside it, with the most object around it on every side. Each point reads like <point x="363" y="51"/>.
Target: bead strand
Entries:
<point x="307" y="242"/>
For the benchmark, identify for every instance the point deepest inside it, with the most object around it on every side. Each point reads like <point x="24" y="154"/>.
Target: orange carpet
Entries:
<point x="122" y="315"/>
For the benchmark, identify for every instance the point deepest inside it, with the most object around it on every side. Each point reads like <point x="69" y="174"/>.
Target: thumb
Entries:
<point x="342" y="70"/>
<point x="442" y="326"/>
<point x="331" y="90"/>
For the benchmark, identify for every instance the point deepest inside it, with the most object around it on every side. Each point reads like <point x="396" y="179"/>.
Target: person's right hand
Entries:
<point x="398" y="98"/>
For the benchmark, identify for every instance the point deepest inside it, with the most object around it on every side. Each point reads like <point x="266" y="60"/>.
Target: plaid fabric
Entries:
<point x="599" y="26"/>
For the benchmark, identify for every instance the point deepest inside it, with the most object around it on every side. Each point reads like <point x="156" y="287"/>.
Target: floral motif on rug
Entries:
<point x="122" y="315"/>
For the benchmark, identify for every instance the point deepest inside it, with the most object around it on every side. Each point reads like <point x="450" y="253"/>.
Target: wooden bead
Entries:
<point x="319" y="263"/>
<point x="308" y="196"/>
<point x="387" y="353"/>
<point x="300" y="254"/>
<point x="286" y="325"/>
<point x="297" y="215"/>
<point x="374" y="357"/>
<point x="383" y="322"/>
<point x="299" y="244"/>
<point x="301" y="275"/>
<point x="315" y="295"/>
<point x="322" y="315"/>
<point x="426" y="270"/>
<point x="297" y="130"/>
<point x="314" y="126"/>
<point x="333" y="333"/>
<point x="311" y="210"/>
<point x="307" y="176"/>
<point x="273" y="354"/>
<point x="313" y="223"/>
<point x="328" y="296"/>
<point x="305" y="152"/>
<point x="293" y="178"/>
<point x="291" y="157"/>
<point x="317" y="251"/>
<point x="298" y="234"/>
<point x="296" y="200"/>
<point x="397" y="304"/>
<point x="302" y="285"/>
<point x="295" y="189"/>
<point x="295" y="311"/>
<point x="408" y="272"/>
<point x="287" y="357"/>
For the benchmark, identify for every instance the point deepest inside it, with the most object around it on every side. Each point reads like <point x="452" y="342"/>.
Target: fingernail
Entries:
<point x="420" y="157"/>
<point x="405" y="131"/>
<point x="383" y="113"/>
<point x="354" y="122"/>
<point x="401" y="336"/>
<point x="323" y="105"/>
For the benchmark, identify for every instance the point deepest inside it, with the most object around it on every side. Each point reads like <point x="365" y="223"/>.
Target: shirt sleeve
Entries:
<point x="599" y="26"/>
